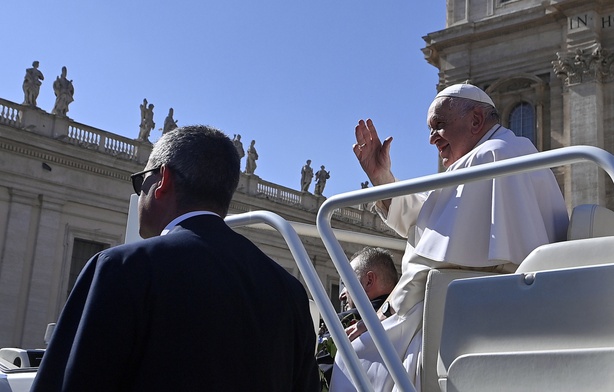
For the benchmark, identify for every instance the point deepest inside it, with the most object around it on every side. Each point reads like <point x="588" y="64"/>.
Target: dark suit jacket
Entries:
<point x="199" y="309"/>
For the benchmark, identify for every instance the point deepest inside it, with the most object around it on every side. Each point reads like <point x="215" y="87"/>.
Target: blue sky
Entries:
<point x="296" y="76"/>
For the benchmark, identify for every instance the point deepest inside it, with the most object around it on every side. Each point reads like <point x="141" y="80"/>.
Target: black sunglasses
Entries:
<point x="138" y="178"/>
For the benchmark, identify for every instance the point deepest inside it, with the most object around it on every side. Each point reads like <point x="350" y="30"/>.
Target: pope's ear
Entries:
<point x="477" y="120"/>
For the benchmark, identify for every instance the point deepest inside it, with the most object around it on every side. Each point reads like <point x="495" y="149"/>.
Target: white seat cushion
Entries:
<point x="568" y="254"/>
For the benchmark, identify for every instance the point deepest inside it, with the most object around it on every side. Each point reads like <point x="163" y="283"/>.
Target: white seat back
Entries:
<point x="590" y="221"/>
<point x="549" y="313"/>
<point x="590" y="242"/>
<point x="591" y="370"/>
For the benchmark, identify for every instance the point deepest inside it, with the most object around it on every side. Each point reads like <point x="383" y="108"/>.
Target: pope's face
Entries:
<point x="450" y="131"/>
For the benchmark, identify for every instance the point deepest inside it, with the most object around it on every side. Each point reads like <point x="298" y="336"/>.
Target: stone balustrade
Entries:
<point x="255" y="186"/>
<point x="107" y="143"/>
<point x="38" y="121"/>
<point x="9" y="113"/>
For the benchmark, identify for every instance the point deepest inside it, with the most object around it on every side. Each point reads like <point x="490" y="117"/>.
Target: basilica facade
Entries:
<point x="549" y="68"/>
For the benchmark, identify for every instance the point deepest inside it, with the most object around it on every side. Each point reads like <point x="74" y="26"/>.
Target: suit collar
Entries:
<point x="183" y="217"/>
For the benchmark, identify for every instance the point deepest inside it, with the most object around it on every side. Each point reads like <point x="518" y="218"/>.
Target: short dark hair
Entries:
<point x="204" y="163"/>
<point x="377" y="259"/>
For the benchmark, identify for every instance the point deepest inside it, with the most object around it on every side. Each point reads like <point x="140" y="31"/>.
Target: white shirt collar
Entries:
<point x="183" y="217"/>
<point x="489" y="134"/>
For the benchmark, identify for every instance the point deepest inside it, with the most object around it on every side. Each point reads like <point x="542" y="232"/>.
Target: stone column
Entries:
<point x="15" y="264"/>
<point x="585" y="118"/>
<point x="542" y="141"/>
<point x="45" y="283"/>
<point x="583" y="72"/>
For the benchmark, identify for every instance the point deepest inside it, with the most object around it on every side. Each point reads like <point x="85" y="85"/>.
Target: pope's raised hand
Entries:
<point x="372" y="154"/>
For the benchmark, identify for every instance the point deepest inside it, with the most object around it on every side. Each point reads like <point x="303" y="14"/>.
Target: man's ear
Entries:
<point x="477" y="121"/>
<point x="165" y="184"/>
<point x="371" y="278"/>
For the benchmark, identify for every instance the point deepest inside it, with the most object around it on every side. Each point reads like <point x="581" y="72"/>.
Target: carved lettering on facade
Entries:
<point x="576" y="22"/>
<point x="586" y="21"/>
<point x="593" y="63"/>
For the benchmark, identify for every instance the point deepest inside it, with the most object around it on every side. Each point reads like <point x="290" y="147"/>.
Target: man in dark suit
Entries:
<point x="193" y="307"/>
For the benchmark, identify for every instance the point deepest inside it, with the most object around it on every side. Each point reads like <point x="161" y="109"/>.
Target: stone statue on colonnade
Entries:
<point x="64" y="91"/>
<point x="147" y="123"/>
<point x="31" y="84"/>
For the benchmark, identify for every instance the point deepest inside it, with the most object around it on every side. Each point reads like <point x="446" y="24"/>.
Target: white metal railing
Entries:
<point x="329" y="314"/>
<point x="542" y="160"/>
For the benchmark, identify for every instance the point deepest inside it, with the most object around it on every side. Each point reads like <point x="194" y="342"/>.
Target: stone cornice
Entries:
<point x="592" y="63"/>
<point x="62" y="160"/>
<point x="477" y="31"/>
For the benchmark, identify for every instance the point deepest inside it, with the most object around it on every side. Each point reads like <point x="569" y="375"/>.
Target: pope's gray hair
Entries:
<point x="464" y="106"/>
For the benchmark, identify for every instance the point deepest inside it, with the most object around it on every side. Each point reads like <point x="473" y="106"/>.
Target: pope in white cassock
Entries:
<point x="489" y="225"/>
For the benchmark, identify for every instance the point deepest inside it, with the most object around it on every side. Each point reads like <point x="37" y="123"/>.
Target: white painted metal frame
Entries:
<point x="542" y="160"/>
<point x="313" y="282"/>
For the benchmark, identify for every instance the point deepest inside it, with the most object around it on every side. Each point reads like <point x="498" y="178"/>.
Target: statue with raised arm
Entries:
<point x="31" y="84"/>
<point x="64" y="91"/>
<point x="169" y="122"/>
<point x="363" y="185"/>
<point x="321" y="177"/>
<point x="252" y="157"/>
<point x="236" y="140"/>
<point x="147" y="123"/>
<point x="306" y="176"/>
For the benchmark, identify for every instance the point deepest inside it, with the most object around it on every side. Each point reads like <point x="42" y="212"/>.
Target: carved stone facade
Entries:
<point x="555" y="57"/>
<point x="592" y="64"/>
<point x="65" y="194"/>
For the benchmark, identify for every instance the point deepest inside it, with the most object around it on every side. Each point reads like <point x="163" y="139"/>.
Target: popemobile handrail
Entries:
<point x="541" y="160"/>
<point x="325" y="306"/>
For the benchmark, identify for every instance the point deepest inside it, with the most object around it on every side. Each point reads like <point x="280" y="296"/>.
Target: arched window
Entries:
<point x="522" y="121"/>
